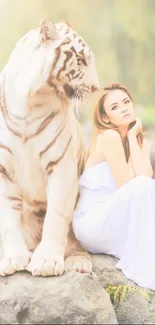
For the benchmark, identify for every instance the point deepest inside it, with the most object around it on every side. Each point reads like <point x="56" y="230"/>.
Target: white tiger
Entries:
<point x="41" y="151"/>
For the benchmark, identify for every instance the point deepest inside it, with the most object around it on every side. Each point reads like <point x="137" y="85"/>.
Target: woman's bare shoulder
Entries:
<point x="106" y="141"/>
<point x="109" y="136"/>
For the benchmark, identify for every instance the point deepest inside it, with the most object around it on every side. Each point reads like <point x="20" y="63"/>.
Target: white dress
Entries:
<point x="118" y="221"/>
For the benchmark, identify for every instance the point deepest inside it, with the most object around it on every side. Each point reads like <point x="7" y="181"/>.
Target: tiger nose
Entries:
<point x="94" y="88"/>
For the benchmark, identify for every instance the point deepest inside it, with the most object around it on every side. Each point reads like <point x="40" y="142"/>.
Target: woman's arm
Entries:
<point x="131" y="171"/>
<point x="110" y="145"/>
<point x="140" y="157"/>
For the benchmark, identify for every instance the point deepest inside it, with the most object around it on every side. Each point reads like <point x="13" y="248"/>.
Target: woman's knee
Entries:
<point x="142" y="184"/>
<point x="143" y="180"/>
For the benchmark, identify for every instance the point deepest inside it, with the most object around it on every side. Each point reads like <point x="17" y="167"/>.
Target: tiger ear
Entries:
<point x="48" y="30"/>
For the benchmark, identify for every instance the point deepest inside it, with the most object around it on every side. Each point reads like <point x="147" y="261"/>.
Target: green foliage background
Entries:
<point x="121" y="33"/>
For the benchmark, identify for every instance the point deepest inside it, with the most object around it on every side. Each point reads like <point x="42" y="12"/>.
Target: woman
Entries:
<point x="116" y="210"/>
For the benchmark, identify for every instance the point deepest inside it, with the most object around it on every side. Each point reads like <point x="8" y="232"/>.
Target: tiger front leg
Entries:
<point x="48" y="258"/>
<point x="16" y="255"/>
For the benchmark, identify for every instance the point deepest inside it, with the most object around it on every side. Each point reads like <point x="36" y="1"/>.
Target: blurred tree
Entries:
<point x="121" y="33"/>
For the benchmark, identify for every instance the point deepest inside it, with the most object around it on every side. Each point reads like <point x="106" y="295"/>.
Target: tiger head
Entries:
<point x="55" y="55"/>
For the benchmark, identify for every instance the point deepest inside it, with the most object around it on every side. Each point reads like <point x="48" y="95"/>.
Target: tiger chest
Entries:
<point x="28" y="173"/>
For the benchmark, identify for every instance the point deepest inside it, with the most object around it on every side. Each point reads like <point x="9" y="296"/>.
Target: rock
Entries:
<point x="104" y="266"/>
<point x="73" y="298"/>
<point x="135" y="309"/>
<point x="69" y="299"/>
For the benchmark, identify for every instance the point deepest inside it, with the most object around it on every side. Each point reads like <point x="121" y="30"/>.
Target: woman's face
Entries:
<point x="119" y="109"/>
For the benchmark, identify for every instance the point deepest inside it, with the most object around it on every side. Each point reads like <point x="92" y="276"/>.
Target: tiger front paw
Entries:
<point x="79" y="262"/>
<point x="45" y="262"/>
<point x="10" y="265"/>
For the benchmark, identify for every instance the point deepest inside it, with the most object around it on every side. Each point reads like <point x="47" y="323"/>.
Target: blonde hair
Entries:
<point x="99" y="113"/>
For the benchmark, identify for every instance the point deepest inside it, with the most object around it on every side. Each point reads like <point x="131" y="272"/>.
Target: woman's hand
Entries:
<point x="136" y="129"/>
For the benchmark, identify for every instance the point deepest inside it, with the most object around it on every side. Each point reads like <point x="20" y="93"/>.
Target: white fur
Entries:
<point x="28" y="96"/>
